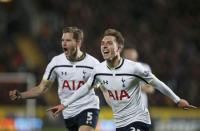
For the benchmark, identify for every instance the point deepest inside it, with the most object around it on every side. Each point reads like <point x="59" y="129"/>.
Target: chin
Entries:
<point x="108" y="59"/>
<point x="66" y="54"/>
<point x="105" y="58"/>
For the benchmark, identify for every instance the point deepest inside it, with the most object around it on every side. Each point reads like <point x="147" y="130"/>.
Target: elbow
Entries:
<point x="41" y="91"/>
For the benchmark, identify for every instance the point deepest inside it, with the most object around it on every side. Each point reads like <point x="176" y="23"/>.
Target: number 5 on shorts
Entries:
<point x="89" y="118"/>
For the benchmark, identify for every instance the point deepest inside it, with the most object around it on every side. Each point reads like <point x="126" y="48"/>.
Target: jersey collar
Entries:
<point x="120" y="64"/>
<point x="80" y="58"/>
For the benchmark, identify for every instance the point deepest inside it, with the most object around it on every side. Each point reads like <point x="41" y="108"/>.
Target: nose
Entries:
<point x="64" y="43"/>
<point x="104" y="45"/>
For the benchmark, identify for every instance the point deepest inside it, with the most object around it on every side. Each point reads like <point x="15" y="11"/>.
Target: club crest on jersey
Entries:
<point x="123" y="82"/>
<point x="84" y="73"/>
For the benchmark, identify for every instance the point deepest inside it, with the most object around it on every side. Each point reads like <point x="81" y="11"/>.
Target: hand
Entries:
<point x="185" y="105"/>
<point x="15" y="95"/>
<point x="56" y="110"/>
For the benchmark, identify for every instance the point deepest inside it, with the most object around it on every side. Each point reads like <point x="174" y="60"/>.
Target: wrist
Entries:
<point x="177" y="100"/>
<point x="19" y="95"/>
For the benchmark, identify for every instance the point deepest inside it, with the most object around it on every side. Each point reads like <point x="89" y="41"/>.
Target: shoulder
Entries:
<point x="146" y="66"/>
<point x="57" y="58"/>
<point x="91" y="58"/>
<point x="132" y="65"/>
<point x="100" y="66"/>
<point x="130" y="62"/>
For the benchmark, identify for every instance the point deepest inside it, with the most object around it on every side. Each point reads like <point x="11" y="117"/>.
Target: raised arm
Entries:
<point x="32" y="93"/>
<point x="162" y="87"/>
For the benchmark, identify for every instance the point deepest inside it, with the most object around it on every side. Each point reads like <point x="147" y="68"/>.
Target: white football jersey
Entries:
<point x="71" y="76"/>
<point x="121" y="86"/>
<point x="144" y="96"/>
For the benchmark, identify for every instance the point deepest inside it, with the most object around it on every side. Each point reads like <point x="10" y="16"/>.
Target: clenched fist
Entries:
<point x="15" y="95"/>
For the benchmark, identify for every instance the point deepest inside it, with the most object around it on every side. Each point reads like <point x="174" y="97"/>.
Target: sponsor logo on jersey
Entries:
<point x="146" y="73"/>
<point x="105" y="82"/>
<point x="72" y="85"/>
<point x="63" y="73"/>
<point x="118" y="94"/>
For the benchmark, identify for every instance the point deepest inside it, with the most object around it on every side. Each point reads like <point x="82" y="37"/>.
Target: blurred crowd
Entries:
<point x="166" y="34"/>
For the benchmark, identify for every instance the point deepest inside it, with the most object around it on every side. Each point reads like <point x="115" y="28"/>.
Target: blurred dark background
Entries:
<point x="166" y="34"/>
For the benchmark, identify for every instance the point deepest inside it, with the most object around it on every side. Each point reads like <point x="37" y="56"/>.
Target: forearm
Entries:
<point x="164" y="89"/>
<point x="82" y="91"/>
<point x="32" y="93"/>
<point x="37" y="90"/>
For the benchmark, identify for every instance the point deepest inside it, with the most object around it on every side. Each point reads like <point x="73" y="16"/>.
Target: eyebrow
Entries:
<point x="107" y="41"/>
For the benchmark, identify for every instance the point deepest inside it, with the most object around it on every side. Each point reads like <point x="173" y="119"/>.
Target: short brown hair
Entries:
<point x="116" y="34"/>
<point x="77" y="33"/>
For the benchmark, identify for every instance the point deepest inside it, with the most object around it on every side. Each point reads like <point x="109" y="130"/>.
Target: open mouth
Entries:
<point x="105" y="52"/>
<point x="65" y="49"/>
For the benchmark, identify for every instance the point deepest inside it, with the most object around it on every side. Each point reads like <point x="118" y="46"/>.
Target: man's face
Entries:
<point x="109" y="47"/>
<point x="69" y="45"/>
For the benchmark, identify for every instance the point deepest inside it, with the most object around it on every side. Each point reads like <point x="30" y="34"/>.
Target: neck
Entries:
<point x="113" y="63"/>
<point x="77" y="56"/>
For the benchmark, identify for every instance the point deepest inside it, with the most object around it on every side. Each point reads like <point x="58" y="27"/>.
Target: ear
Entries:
<point x="79" y="43"/>
<point x="120" y="48"/>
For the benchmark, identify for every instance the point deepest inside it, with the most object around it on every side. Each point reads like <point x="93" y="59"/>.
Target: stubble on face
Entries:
<point x="70" y="46"/>
<point x="109" y="48"/>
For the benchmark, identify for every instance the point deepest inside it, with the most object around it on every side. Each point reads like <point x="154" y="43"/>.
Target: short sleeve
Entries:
<point x="95" y="62"/>
<point x="50" y="73"/>
<point x="91" y="80"/>
<point x="144" y="73"/>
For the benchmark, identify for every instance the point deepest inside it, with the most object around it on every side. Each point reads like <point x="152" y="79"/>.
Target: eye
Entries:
<point x="102" y="43"/>
<point x="110" y="43"/>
